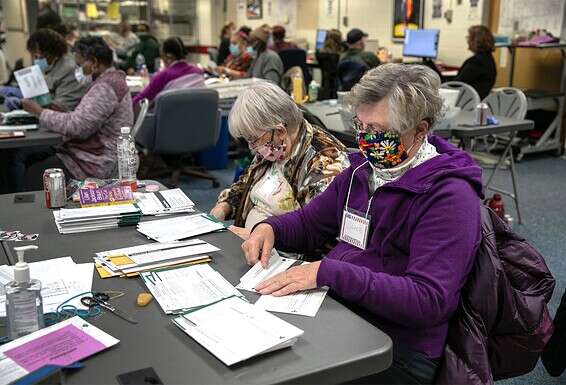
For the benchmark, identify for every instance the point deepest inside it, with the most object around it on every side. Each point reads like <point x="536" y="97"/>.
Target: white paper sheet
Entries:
<point x="184" y="288"/>
<point x="31" y="82"/>
<point x="61" y="279"/>
<point x="258" y="274"/>
<point x="304" y="303"/>
<point x="173" y="229"/>
<point x="234" y="330"/>
<point x="164" y="202"/>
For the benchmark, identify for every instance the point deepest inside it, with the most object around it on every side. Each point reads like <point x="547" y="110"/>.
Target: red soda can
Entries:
<point x="54" y="188"/>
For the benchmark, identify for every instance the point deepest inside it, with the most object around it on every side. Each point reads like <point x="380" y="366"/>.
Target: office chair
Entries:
<point x="468" y="98"/>
<point x="143" y="107"/>
<point x="212" y="54"/>
<point x="185" y="121"/>
<point x="328" y="63"/>
<point x="349" y="73"/>
<point x="186" y="81"/>
<point x="295" y="57"/>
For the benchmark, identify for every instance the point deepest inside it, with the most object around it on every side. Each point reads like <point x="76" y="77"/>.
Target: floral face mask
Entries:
<point x="382" y="149"/>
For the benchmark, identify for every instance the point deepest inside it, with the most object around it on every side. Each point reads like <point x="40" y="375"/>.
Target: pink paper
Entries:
<point x="61" y="347"/>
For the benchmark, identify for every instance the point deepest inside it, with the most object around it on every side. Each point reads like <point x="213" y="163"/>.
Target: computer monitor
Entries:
<point x="320" y="38"/>
<point x="421" y="43"/>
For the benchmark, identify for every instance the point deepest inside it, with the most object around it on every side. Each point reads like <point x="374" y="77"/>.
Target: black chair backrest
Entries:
<point x="295" y="57"/>
<point x="349" y="73"/>
<point x="328" y="63"/>
<point x="18" y="65"/>
<point x="186" y="120"/>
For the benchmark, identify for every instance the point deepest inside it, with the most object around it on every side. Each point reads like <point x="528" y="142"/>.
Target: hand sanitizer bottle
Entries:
<point x="24" y="306"/>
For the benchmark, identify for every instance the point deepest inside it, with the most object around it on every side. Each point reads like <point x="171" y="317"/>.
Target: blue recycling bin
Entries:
<point x="216" y="158"/>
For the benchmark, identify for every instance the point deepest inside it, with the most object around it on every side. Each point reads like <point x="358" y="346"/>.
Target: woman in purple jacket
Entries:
<point x="173" y="54"/>
<point x="407" y="213"/>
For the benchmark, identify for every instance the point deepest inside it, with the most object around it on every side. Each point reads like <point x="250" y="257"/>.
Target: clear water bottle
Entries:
<point x="127" y="159"/>
<point x="144" y="73"/>
<point x="140" y="61"/>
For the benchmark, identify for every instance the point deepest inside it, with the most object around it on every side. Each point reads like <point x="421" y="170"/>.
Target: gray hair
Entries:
<point x="410" y="90"/>
<point x="260" y="108"/>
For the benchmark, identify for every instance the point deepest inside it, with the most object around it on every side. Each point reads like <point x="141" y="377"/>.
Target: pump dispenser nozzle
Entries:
<point x="21" y="269"/>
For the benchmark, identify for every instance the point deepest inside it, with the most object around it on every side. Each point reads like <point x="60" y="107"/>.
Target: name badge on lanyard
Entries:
<point x="355" y="226"/>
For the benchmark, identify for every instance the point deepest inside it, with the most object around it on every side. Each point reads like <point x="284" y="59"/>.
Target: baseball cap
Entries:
<point x="355" y="35"/>
<point x="260" y="33"/>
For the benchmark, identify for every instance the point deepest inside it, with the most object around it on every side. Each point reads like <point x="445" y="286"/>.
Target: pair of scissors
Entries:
<point x="101" y="299"/>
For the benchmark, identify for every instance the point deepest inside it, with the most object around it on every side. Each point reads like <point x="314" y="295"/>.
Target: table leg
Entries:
<point x="508" y="153"/>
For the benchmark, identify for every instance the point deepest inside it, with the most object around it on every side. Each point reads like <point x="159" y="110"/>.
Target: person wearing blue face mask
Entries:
<point x="239" y="61"/>
<point x="49" y="51"/>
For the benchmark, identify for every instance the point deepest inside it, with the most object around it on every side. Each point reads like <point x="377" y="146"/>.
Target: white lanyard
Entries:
<point x="355" y="228"/>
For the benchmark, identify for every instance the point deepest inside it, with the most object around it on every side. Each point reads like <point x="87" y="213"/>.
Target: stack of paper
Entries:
<point x="181" y="289"/>
<point x="81" y="220"/>
<point x="61" y="344"/>
<point x="164" y="202"/>
<point x="61" y="279"/>
<point x="258" y="274"/>
<point x="135" y="259"/>
<point x="173" y="229"/>
<point x="18" y="120"/>
<point x="234" y="330"/>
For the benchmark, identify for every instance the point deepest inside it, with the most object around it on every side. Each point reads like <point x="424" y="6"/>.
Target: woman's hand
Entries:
<point x="32" y="107"/>
<point x="295" y="279"/>
<point x="241" y="232"/>
<point x="221" y="211"/>
<point x="259" y="245"/>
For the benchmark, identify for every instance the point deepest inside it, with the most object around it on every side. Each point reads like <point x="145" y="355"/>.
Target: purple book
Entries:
<point x="106" y="196"/>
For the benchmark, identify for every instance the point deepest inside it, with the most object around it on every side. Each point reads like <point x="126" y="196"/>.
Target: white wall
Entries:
<point x="375" y="18"/>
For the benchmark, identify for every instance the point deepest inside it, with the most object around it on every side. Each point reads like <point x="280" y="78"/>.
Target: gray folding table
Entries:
<point x="465" y="130"/>
<point x="337" y="345"/>
<point x="32" y="138"/>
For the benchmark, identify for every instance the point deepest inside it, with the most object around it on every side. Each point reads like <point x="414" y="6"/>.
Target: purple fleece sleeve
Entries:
<point x="310" y="226"/>
<point x="443" y="245"/>
<point x="155" y="86"/>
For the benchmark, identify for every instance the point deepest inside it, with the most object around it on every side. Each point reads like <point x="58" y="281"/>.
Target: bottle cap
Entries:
<point x="21" y="269"/>
<point x="125" y="130"/>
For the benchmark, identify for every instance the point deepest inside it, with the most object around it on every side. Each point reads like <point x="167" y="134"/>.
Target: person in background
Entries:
<point x="47" y="17"/>
<point x="333" y="42"/>
<point x="356" y="46"/>
<point x="266" y="64"/>
<point x="294" y="162"/>
<point x="224" y="46"/>
<point x="4" y="72"/>
<point x="239" y="61"/>
<point x="49" y="51"/>
<point x="91" y="131"/>
<point x="122" y="40"/>
<point x="416" y="197"/>
<point x="148" y="47"/>
<point x="480" y="70"/>
<point x="173" y="54"/>
<point x="245" y="29"/>
<point x="69" y="32"/>
<point x="279" y="43"/>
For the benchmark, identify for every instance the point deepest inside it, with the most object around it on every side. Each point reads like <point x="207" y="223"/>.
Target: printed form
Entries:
<point x="235" y="330"/>
<point x="258" y="274"/>
<point x="181" y="289"/>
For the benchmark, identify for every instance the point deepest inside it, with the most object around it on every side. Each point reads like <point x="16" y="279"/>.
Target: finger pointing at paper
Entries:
<point x="259" y="245"/>
<point x="295" y="279"/>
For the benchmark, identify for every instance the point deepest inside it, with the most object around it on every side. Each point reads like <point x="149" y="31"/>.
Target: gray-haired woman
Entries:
<point x="407" y="213"/>
<point x="294" y="162"/>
